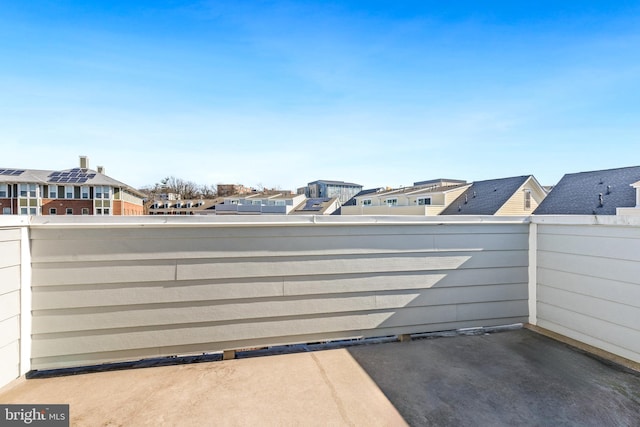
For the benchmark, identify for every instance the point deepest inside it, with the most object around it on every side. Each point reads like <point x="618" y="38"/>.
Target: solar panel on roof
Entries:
<point x="73" y="176"/>
<point x="11" y="172"/>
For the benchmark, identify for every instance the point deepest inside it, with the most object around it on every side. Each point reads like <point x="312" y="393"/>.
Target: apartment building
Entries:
<point x="77" y="191"/>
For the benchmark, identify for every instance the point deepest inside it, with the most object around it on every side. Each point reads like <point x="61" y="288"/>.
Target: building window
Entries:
<point x="392" y="202"/>
<point x="28" y="211"/>
<point x="105" y="211"/>
<point x="85" y="211"/>
<point x="68" y="191"/>
<point x="53" y="191"/>
<point x="28" y="190"/>
<point x="102" y="192"/>
<point x="366" y="202"/>
<point x="3" y="190"/>
<point x="527" y="199"/>
<point x="84" y="191"/>
<point x="6" y="211"/>
<point x="424" y="201"/>
<point x="53" y="211"/>
<point x="69" y="211"/>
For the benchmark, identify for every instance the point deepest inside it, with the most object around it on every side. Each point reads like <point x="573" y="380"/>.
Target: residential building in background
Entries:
<point x="600" y="192"/>
<point x="77" y="191"/>
<point x="519" y="195"/>
<point x="423" y="198"/>
<point x="177" y="206"/>
<point x="259" y="204"/>
<point x="329" y="189"/>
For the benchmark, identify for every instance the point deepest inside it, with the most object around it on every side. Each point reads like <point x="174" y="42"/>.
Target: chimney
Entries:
<point x="101" y="169"/>
<point x="84" y="162"/>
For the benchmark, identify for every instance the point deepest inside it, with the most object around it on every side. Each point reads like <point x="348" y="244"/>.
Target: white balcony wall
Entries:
<point x="588" y="280"/>
<point x="109" y="289"/>
<point x="11" y="236"/>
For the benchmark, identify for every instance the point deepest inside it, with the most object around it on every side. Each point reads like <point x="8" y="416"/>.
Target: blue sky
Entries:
<point x="280" y="93"/>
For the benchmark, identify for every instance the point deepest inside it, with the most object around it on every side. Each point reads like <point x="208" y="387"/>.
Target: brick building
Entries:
<point x="78" y="191"/>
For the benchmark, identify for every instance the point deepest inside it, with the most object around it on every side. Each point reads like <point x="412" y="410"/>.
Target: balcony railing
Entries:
<point x="112" y="289"/>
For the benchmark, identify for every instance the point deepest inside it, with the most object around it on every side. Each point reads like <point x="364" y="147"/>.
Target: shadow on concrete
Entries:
<point x="507" y="378"/>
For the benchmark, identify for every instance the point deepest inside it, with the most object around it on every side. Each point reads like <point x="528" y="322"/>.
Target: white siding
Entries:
<point x="127" y="291"/>
<point x="588" y="282"/>
<point x="10" y="258"/>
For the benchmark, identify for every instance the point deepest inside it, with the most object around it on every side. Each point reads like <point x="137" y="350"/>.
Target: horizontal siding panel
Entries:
<point x="9" y="279"/>
<point x="398" y="281"/>
<point x="605" y="247"/>
<point x="9" y="305"/>
<point x="128" y="249"/>
<point x="606" y="268"/>
<point x="93" y="318"/>
<point x="75" y="273"/>
<point x="615" y="335"/>
<point x="9" y="253"/>
<point x="10" y="234"/>
<point x="46" y="345"/>
<point x="9" y="330"/>
<point x="607" y="231"/>
<point x="54" y="297"/>
<point x="610" y="290"/>
<point x="291" y="266"/>
<point x="147" y="271"/>
<point x="618" y="314"/>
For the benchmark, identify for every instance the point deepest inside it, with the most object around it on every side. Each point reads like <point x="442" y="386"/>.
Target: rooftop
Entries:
<point x="480" y="377"/>
<point x="592" y="193"/>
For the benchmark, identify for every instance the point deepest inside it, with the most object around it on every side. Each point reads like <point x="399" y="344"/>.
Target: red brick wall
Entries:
<point x="61" y="206"/>
<point x="127" y="208"/>
<point x="7" y="203"/>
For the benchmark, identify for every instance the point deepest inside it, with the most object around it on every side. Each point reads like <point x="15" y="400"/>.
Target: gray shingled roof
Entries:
<point x="353" y="202"/>
<point x="579" y="193"/>
<point x="485" y="197"/>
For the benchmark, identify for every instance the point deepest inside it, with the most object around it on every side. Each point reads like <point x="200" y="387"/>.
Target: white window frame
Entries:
<point x="367" y="202"/>
<point x="4" y="191"/>
<point x="53" y="211"/>
<point x="6" y="211"/>
<point x="392" y="202"/>
<point x="68" y="191"/>
<point x="53" y="192"/>
<point x="422" y="201"/>
<point x="28" y="191"/>
<point x="68" y="211"/>
<point x="84" y="192"/>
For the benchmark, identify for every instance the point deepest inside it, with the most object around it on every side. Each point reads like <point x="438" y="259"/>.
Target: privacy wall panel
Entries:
<point x="588" y="284"/>
<point x="9" y="303"/>
<point x="105" y="293"/>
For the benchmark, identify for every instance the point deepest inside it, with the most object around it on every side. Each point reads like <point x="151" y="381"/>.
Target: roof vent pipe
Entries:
<point x="101" y="169"/>
<point x="601" y="200"/>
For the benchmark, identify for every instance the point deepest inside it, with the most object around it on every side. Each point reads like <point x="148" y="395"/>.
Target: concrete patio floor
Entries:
<point x="509" y="378"/>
